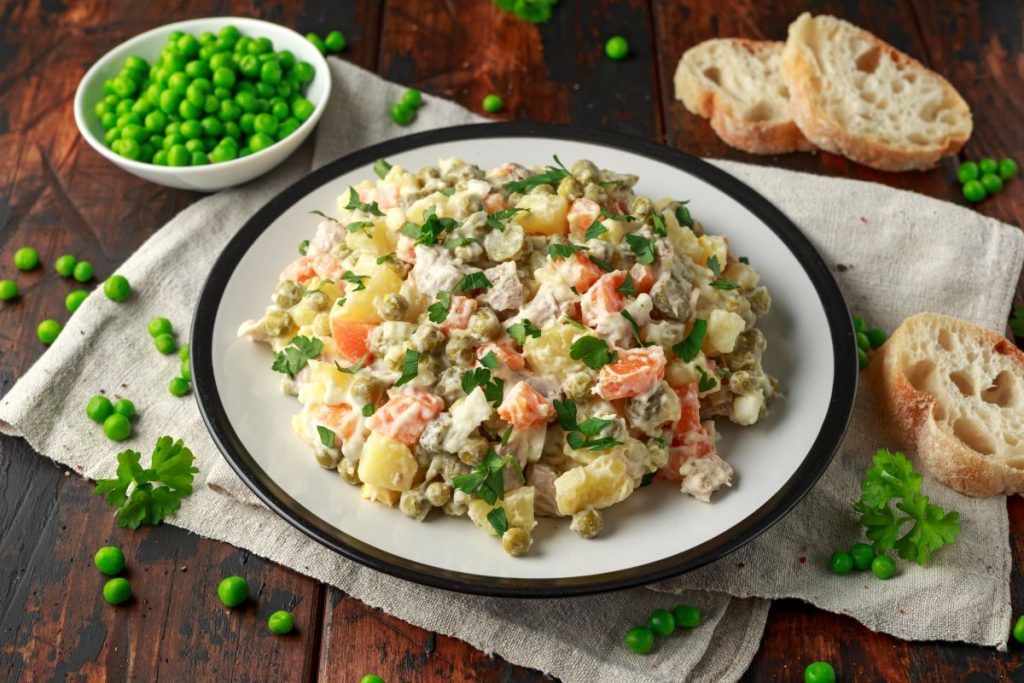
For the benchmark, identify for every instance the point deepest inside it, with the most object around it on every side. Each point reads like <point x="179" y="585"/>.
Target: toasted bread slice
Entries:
<point x="737" y="84"/>
<point x="956" y="394"/>
<point x="855" y="95"/>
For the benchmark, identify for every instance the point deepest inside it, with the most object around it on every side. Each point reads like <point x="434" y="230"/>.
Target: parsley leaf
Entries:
<point x="549" y="177"/>
<point x="472" y="282"/>
<point x="557" y="251"/>
<point x="357" y="280"/>
<point x="892" y="477"/>
<point x="293" y="357"/>
<point x="475" y="377"/>
<point x="489" y="361"/>
<point x="574" y="323"/>
<point x="485" y="480"/>
<point x="1017" y="322"/>
<point x="683" y="216"/>
<point x="595" y="230"/>
<point x="498" y="521"/>
<point x="566" y="413"/>
<point x="354" y="203"/>
<point x="534" y="11"/>
<point x="579" y="436"/>
<point x="616" y="216"/>
<point x="505" y="436"/>
<point x="659" y="225"/>
<point x="303" y="247"/>
<point x="437" y="312"/>
<point x="430" y="231"/>
<point x="355" y="368"/>
<point x="577" y="442"/>
<point x="603" y="265"/>
<point x="318" y="212"/>
<point x="494" y="220"/>
<point x="385" y="258"/>
<point x="381" y="168"/>
<point x="369" y="409"/>
<point x="132" y="491"/>
<point x="521" y="330"/>
<point x="592" y="351"/>
<point x="628" y="286"/>
<point x="715" y="266"/>
<point x="634" y="326"/>
<point x="326" y="436"/>
<point x="719" y="282"/>
<point x="410" y="367"/>
<point x="365" y="227"/>
<point x="707" y="382"/>
<point x="593" y="426"/>
<point x="744" y="260"/>
<point x="316" y="289"/>
<point x="724" y="284"/>
<point x="460" y="241"/>
<point x="688" y="349"/>
<point x="642" y="247"/>
<point x="494" y="392"/>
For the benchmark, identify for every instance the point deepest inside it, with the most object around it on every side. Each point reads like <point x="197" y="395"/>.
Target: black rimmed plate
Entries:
<point x="652" y="535"/>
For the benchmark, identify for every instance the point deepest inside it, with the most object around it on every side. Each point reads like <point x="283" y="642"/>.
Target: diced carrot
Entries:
<point x="505" y="353"/>
<point x="299" y="270"/>
<point x="459" y="313"/>
<point x="405" y="249"/>
<point x="603" y="297"/>
<point x="579" y="271"/>
<point x="633" y="372"/>
<point x="387" y="196"/>
<point x="643" y="276"/>
<point x="525" y="408"/>
<point x="351" y="339"/>
<point x="690" y="439"/>
<point x="327" y="267"/>
<point x="405" y="415"/>
<point x="495" y="202"/>
<point x="339" y="418"/>
<point x="582" y="214"/>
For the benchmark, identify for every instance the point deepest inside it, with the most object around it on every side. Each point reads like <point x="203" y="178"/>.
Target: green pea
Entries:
<point x="246" y="101"/>
<point x="129" y="149"/>
<point x="26" y="258"/>
<point x="287" y="127"/>
<point x="260" y="141"/>
<point x="247" y="123"/>
<point x="173" y="139"/>
<point x="303" y="71"/>
<point x="160" y="157"/>
<point x="135" y="132"/>
<point x="186" y="370"/>
<point x="285" y="90"/>
<point x="974" y="191"/>
<point x="83" y="271"/>
<point x="158" y="326"/>
<point x="233" y="591"/>
<point x="1018" y="630"/>
<point x="862" y="341"/>
<point x="142" y="107"/>
<point x="178" y="82"/>
<point x="400" y="114"/>
<point x="8" y="290"/>
<point x="190" y="110"/>
<point x="111" y="135"/>
<point x="222" y="153"/>
<point x="819" y="672"/>
<point x="195" y="145"/>
<point x="136" y="63"/>
<point x="233" y="131"/>
<point x="155" y="121"/>
<point x="109" y="560"/>
<point x="117" y="288"/>
<point x="862" y="359"/>
<point x="862" y="555"/>
<point x="265" y="90"/>
<point x="197" y="69"/>
<point x="179" y="387"/>
<point x="840" y="562"/>
<point x="687" y="616"/>
<point x="241" y="45"/>
<point x="286" y="58"/>
<point x="334" y="41"/>
<point x="125" y="408"/>
<point x="265" y="124"/>
<point x="169" y="101"/>
<point x="74" y="299"/>
<point x="279" y="109"/>
<point x="223" y="77"/>
<point x="123" y="107"/>
<point x="229" y="110"/>
<point x="184" y="351"/>
<point x="261" y="46"/>
<point x="1008" y="168"/>
<point x="117" y="427"/>
<point x="229" y="33"/>
<point x="271" y="73"/>
<point x="281" y="622"/>
<point x="65" y="265"/>
<point x="221" y="60"/>
<point x="173" y="126"/>
<point x="639" y="639"/>
<point x="371" y="678"/>
<point x="492" y="103"/>
<point x="244" y="152"/>
<point x="199" y="158"/>
<point x="211" y="104"/>
<point x="883" y="567"/>
<point x="616" y="48"/>
<point x="165" y="343"/>
<point x="117" y="591"/>
<point x="128" y="119"/>
<point x="99" y="408"/>
<point x="188" y="45"/>
<point x="988" y="165"/>
<point x="177" y="155"/>
<point x="990" y="181"/>
<point x="661" y="622"/>
<point x="317" y="42"/>
<point x="123" y="87"/>
<point x="221" y="93"/>
<point x="108" y="120"/>
<point x="876" y="336"/>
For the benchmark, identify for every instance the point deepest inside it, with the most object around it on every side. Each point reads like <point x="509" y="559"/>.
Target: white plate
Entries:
<point x="653" y="534"/>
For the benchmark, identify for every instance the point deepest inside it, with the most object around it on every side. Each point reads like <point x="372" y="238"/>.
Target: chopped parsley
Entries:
<point x="642" y="247"/>
<point x="707" y="382"/>
<point x="341" y="302"/>
<point x="659" y="225"/>
<point x="683" y="216"/>
<point x="551" y="176"/>
<point x="472" y="282"/>
<point x="294" y="357"/>
<point x="628" y="286"/>
<point x="595" y="230"/>
<point x="365" y="227"/>
<point x="616" y="216"/>
<point x="498" y="521"/>
<point x="357" y="280"/>
<point x="494" y="220"/>
<point x="521" y="330"/>
<point x="493" y="387"/>
<point x="635" y="327"/>
<point x="460" y="241"/>
<point x="593" y="352"/>
<point x="429" y="233"/>
<point x="381" y="168"/>
<point x="355" y="368"/>
<point x="410" y="367"/>
<point x="581" y="435"/>
<point x="316" y="289"/>
<point x="533" y="11"/>
<point x="505" y="436"/>
<point x="437" y="312"/>
<point x="647" y="479"/>
<point x="603" y="265"/>
<point x="318" y="212"/>
<point x="557" y="251"/>
<point x="489" y="360"/>
<point x="574" y="323"/>
<point x="688" y="349"/>
<point x="744" y="260"/>
<point x="354" y="203"/>
<point x="369" y="409"/>
<point x="170" y="465"/>
<point x="303" y="247"/>
<point x="719" y="282"/>
<point x="724" y="284"/>
<point x="385" y="258"/>
<point x="326" y="436"/>
<point x="485" y="480"/>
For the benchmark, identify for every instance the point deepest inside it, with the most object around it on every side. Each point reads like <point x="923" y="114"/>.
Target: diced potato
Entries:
<point x="381" y="281"/>
<point x="713" y="245"/>
<point x="616" y="230"/>
<point x="548" y="354"/>
<point x="377" y="494"/>
<point x="678" y="373"/>
<point x="602" y="483"/>
<point x="723" y="328"/>
<point x="518" y="505"/>
<point x="682" y="238"/>
<point x="327" y="384"/>
<point x="746" y="408"/>
<point x="387" y="463"/>
<point x="378" y="242"/>
<point x="546" y="215"/>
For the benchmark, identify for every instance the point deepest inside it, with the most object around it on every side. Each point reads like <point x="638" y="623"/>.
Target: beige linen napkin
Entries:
<point x="909" y="253"/>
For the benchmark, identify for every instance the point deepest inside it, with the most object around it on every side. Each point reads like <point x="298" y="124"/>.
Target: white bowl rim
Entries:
<point x="207" y="169"/>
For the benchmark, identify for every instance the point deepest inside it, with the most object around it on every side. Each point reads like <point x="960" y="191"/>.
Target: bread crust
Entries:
<point x="754" y="137"/>
<point x="800" y="73"/>
<point x="915" y="414"/>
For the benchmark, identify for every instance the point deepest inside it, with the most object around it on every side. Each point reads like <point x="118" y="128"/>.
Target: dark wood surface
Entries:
<point x="58" y="195"/>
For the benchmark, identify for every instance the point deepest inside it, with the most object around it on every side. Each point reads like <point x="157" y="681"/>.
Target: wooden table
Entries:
<point x="58" y="195"/>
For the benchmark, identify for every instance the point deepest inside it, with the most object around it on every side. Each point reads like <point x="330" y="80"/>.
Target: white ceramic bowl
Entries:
<point x="212" y="176"/>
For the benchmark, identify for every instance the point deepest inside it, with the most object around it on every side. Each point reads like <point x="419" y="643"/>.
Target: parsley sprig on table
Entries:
<point x="147" y="495"/>
<point x="294" y="357"/>
<point x="1017" y="322"/>
<point x="892" y="478"/>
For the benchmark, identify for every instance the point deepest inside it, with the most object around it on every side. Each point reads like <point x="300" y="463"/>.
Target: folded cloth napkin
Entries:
<point x="898" y="250"/>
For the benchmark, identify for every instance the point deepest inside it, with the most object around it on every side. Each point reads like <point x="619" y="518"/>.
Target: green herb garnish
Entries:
<point x="294" y="357"/>
<point x="595" y="230"/>
<point x="410" y="367"/>
<point x="581" y="435"/>
<point x="303" y="247"/>
<point x="642" y="247"/>
<point x="318" y="212"/>
<point x="354" y="203"/>
<point x="437" y="312"/>
<point x="628" y="286"/>
<point x="485" y="480"/>
<point x="719" y="282"/>
<point x="472" y="282"/>
<point x="385" y="258"/>
<point x="460" y="241"/>
<point x="603" y="265"/>
<point x="659" y="225"/>
<point x="494" y="220"/>
<point x="683" y="216"/>
<point x="357" y="280"/>
<point x="326" y="436"/>
<point x="557" y="251"/>
<point x="498" y="521"/>
<point x="354" y="368"/>
<point x="616" y="216"/>
<point x="688" y="349"/>
<point x="552" y="176"/>
<point x="505" y="436"/>
<point x="381" y="168"/>
<point x="707" y="382"/>
<point x="365" y="227"/>
<point x="592" y="351"/>
<point x="521" y="330"/>
<point x="574" y="323"/>
<point x="369" y="409"/>
<point x="489" y="361"/>
<point x="430" y="231"/>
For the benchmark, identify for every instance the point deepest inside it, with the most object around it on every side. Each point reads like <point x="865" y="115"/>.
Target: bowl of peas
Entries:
<point x="203" y="104"/>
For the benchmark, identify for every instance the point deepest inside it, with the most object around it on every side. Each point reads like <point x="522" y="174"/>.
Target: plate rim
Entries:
<point x="814" y="464"/>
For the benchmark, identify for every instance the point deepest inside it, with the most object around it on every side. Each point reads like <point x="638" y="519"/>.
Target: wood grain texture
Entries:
<point x="57" y="195"/>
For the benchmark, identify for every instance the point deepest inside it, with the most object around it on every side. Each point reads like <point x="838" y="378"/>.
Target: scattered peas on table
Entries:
<point x="83" y="271"/>
<point x="404" y="111"/>
<point x="179" y="386"/>
<point x="1018" y="630"/>
<point x="867" y="340"/>
<point x="661" y="622"/>
<point x="26" y="258"/>
<point x="985" y="177"/>
<point x="8" y="290"/>
<point x="48" y="331"/>
<point x="616" y="48"/>
<point x="74" y="299"/>
<point x="281" y="622"/>
<point x="840" y="562"/>
<point x="883" y="567"/>
<point x="233" y="591"/>
<point x="99" y="408"/>
<point x="371" y="678"/>
<point x="117" y="427"/>
<point x="109" y="560"/>
<point x="117" y="591"/>
<point x="65" y="265"/>
<point x="117" y="288"/>
<point x="492" y="104"/>
<point x="819" y="672"/>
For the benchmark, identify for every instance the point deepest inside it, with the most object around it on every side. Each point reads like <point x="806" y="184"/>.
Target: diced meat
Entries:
<point x="506" y="294"/>
<point x="634" y="372"/>
<point x="542" y="479"/>
<point x="525" y="408"/>
<point x="329" y="234"/>
<point x="405" y="415"/>
<point x="550" y="303"/>
<point x="435" y="270"/>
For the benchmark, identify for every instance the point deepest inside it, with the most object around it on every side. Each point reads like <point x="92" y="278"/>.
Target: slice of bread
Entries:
<point x="737" y="84"/>
<point x="855" y="95"/>
<point x="956" y="394"/>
